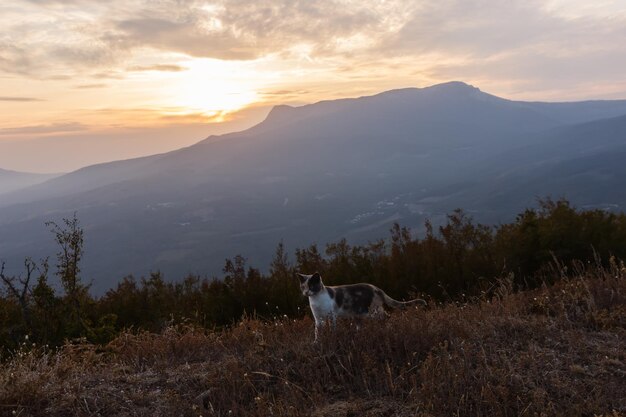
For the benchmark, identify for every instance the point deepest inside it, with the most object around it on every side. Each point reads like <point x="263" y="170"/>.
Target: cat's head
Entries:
<point x="310" y="284"/>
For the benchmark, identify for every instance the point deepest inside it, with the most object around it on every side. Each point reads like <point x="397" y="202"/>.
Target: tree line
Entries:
<point x="457" y="260"/>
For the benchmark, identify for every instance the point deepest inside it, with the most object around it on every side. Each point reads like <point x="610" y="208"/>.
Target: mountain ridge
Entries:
<point x="316" y="173"/>
<point x="280" y="111"/>
<point x="11" y="180"/>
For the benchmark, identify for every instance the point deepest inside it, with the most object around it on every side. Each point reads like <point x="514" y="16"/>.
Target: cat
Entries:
<point x="356" y="300"/>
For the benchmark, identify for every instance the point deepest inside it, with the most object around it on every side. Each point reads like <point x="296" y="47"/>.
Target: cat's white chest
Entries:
<point x="322" y="306"/>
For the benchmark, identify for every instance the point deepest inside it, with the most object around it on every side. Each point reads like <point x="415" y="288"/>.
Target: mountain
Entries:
<point x="317" y="173"/>
<point x="584" y="163"/>
<point x="14" y="180"/>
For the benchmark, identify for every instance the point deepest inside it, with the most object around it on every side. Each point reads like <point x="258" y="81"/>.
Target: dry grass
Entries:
<point x="554" y="351"/>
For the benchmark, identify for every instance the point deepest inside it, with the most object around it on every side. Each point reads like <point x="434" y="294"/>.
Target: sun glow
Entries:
<point x="212" y="87"/>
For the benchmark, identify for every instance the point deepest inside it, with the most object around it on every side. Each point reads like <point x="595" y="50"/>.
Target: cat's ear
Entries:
<point x="301" y="277"/>
<point x="316" y="277"/>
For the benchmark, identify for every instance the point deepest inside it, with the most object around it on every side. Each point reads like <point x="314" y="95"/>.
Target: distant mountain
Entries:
<point x="317" y="173"/>
<point x="583" y="163"/>
<point x="14" y="180"/>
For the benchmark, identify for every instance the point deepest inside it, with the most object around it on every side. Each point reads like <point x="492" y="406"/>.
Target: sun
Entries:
<point x="213" y="87"/>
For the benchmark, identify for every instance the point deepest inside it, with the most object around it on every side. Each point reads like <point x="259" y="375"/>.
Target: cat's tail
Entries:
<point x="390" y="302"/>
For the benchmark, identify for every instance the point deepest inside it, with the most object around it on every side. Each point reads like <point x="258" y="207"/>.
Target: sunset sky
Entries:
<point x="86" y="81"/>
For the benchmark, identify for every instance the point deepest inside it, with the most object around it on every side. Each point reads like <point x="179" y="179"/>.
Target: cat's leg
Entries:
<point x="378" y="313"/>
<point x="318" y="326"/>
<point x="328" y="321"/>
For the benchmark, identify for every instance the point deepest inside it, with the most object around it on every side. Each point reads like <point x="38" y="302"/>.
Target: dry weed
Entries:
<point x="558" y="351"/>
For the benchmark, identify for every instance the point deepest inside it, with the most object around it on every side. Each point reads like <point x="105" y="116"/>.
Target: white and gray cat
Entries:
<point x="356" y="300"/>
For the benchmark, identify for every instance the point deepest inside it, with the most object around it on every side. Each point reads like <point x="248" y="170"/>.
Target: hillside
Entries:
<point x="555" y="351"/>
<point x="13" y="180"/>
<point x="581" y="162"/>
<point x="318" y="173"/>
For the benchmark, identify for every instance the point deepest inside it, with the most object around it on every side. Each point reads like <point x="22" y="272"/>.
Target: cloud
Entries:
<point x="480" y="28"/>
<point x="473" y="40"/>
<point x="90" y="86"/>
<point x="242" y="30"/>
<point x="194" y="117"/>
<point x="43" y="129"/>
<point x="18" y="99"/>
<point x="513" y="46"/>
<point x="13" y="58"/>
<point x="93" y="34"/>
<point x="158" y="67"/>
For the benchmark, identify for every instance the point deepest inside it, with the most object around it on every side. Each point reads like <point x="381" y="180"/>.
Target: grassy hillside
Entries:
<point x="558" y="350"/>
